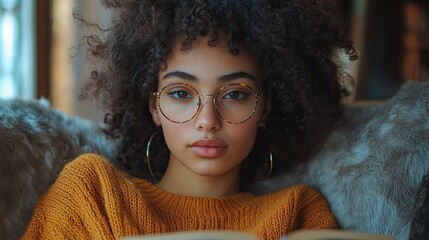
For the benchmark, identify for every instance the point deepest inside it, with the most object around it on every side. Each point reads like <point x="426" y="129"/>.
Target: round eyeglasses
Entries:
<point x="180" y="102"/>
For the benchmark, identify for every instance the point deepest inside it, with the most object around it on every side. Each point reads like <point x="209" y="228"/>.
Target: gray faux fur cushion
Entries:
<point x="420" y="223"/>
<point x="369" y="169"/>
<point x="35" y="143"/>
<point x="371" y="166"/>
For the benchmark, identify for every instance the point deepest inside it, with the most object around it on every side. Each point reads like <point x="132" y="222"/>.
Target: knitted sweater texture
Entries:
<point x="91" y="199"/>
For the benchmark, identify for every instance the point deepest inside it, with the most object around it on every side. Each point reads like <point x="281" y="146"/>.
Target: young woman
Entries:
<point x="206" y="97"/>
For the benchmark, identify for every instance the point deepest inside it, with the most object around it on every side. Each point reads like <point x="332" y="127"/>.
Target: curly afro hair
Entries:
<point x="296" y="43"/>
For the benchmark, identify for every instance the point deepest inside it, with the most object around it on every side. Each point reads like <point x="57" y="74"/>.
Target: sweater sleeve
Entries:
<point x="58" y="213"/>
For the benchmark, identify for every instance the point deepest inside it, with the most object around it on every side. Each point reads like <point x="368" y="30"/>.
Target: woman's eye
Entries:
<point x="179" y="94"/>
<point x="236" y="95"/>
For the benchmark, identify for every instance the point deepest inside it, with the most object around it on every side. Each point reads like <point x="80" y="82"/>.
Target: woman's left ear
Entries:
<point x="267" y="110"/>
<point x="154" y="112"/>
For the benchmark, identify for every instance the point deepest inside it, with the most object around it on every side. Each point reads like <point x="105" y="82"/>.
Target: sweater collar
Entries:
<point x="180" y="205"/>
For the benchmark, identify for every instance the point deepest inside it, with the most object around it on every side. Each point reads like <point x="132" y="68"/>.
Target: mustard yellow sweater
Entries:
<point x="93" y="200"/>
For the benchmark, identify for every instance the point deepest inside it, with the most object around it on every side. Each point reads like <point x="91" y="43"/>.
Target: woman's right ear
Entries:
<point x="154" y="110"/>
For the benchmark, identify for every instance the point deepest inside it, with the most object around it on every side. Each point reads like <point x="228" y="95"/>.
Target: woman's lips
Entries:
<point x="209" y="148"/>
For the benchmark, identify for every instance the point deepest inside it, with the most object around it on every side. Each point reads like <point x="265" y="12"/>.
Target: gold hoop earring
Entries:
<point x="271" y="164"/>
<point x="267" y="174"/>
<point x="148" y="154"/>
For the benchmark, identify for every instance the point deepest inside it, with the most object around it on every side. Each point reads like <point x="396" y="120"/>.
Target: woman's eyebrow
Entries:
<point x="236" y="75"/>
<point x="181" y="75"/>
<point x="224" y="78"/>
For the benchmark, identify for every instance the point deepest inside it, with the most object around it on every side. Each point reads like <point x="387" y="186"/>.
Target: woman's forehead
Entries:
<point x="203" y="61"/>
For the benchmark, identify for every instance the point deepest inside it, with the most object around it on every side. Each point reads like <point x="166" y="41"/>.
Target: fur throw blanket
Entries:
<point x="35" y="143"/>
<point x="370" y="168"/>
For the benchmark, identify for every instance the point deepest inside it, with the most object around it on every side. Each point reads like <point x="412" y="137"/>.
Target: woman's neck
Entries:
<point x="178" y="179"/>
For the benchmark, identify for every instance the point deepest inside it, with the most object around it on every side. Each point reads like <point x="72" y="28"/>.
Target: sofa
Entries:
<point x="372" y="168"/>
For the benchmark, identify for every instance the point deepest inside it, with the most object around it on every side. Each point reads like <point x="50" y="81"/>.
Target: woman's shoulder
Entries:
<point x="304" y="201"/>
<point x="298" y="190"/>
<point x="300" y="193"/>
<point x="88" y="161"/>
<point x="93" y="175"/>
<point x="90" y="168"/>
<point x="89" y="164"/>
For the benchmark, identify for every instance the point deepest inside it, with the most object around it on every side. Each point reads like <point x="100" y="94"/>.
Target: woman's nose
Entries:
<point x="207" y="118"/>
